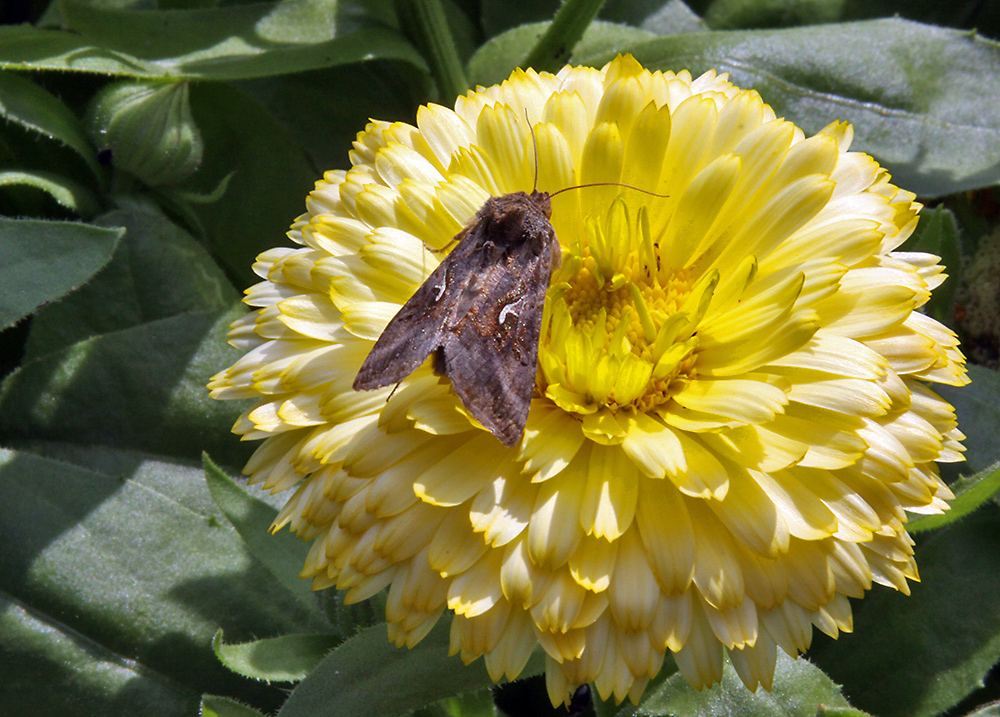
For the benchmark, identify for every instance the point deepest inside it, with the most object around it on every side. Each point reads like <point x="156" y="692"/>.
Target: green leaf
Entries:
<point x="37" y="110"/>
<point x="474" y="704"/>
<point x="116" y="572"/>
<point x="289" y="658"/>
<point x="745" y="14"/>
<point x="499" y="16"/>
<point x="497" y="58"/>
<point x="124" y="360"/>
<point x="272" y="177"/>
<point x="72" y="195"/>
<point x="938" y="234"/>
<point x="970" y="493"/>
<point x="48" y="665"/>
<point x="310" y="107"/>
<point x="799" y="690"/>
<point x="661" y="18"/>
<point x="556" y="45"/>
<point x="218" y="706"/>
<point x="238" y="41"/>
<point x="162" y="34"/>
<point x="825" y="711"/>
<point x="41" y="261"/>
<point x="925" y="101"/>
<point x="978" y="409"/>
<point x="367" y="676"/>
<point x="223" y="43"/>
<point x="158" y="271"/>
<point x="359" y="46"/>
<point x="427" y="26"/>
<point x="282" y="553"/>
<point x="919" y="655"/>
<point x="141" y="388"/>
<point x="23" y="47"/>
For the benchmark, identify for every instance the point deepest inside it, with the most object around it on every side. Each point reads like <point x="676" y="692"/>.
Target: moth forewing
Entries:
<point x="415" y="330"/>
<point x="480" y="314"/>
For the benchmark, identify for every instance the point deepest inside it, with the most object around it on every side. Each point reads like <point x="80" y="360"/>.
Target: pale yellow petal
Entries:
<point x="554" y="530"/>
<point x="610" y="495"/>
<point x="669" y="541"/>
<point x="633" y="594"/>
<point x="462" y="473"/>
<point x="477" y="589"/>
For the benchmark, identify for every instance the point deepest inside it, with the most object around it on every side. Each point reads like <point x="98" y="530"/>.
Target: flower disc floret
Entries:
<point x="731" y="416"/>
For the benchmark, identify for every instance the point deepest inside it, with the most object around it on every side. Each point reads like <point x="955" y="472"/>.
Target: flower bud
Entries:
<point x="149" y="129"/>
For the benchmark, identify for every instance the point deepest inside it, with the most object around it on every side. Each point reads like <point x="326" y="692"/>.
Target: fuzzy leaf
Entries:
<point x="310" y="108"/>
<point x="25" y="103"/>
<point x="218" y="706"/>
<point x="282" y="553"/>
<point x="271" y="177"/>
<point x="117" y="570"/>
<point x="368" y="676"/>
<point x="158" y="271"/>
<point x="744" y="14"/>
<point x="72" y="195"/>
<point x="141" y="388"/>
<point x="970" y="493"/>
<point x="220" y="43"/>
<point x="41" y="261"/>
<point x="499" y="56"/>
<point x="799" y="690"/>
<point x="661" y="18"/>
<point x="289" y="658"/>
<point x="920" y="655"/>
<point x="123" y="361"/>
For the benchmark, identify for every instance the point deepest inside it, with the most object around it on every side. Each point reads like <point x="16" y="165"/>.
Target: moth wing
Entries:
<point x="417" y="328"/>
<point x="491" y="346"/>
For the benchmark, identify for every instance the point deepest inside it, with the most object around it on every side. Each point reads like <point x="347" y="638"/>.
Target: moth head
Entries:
<point x="518" y="213"/>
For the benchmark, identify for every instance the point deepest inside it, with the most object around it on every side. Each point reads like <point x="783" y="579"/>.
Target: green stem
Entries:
<point x="554" y="48"/>
<point x="426" y="26"/>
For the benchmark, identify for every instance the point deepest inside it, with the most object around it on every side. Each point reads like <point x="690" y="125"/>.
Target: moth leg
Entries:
<point x="393" y="391"/>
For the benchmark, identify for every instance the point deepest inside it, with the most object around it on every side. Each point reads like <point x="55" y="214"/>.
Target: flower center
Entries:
<point x="620" y="331"/>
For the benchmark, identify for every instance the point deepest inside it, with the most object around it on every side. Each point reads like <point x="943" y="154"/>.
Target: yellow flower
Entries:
<point x="730" y="415"/>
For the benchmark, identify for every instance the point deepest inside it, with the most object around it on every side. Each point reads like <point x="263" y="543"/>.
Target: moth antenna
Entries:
<point x="534" y="144"/>
<point x="609" y="184"/>
<point x="445" y="248"/>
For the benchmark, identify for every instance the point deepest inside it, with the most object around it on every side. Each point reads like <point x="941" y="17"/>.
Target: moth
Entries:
<point x="479" y="315"/>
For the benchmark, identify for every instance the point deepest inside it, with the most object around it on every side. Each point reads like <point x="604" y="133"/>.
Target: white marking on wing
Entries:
<point x="508" y="309"/>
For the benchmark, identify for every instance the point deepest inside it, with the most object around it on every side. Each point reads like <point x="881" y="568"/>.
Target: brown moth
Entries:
<point x="479" y="314"/>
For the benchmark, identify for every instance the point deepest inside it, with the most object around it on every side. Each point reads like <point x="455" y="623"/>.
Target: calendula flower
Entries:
<point x="730" y="418"/>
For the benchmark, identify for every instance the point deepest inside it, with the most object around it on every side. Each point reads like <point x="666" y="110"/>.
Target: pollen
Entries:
<point x="621" y="307"/>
